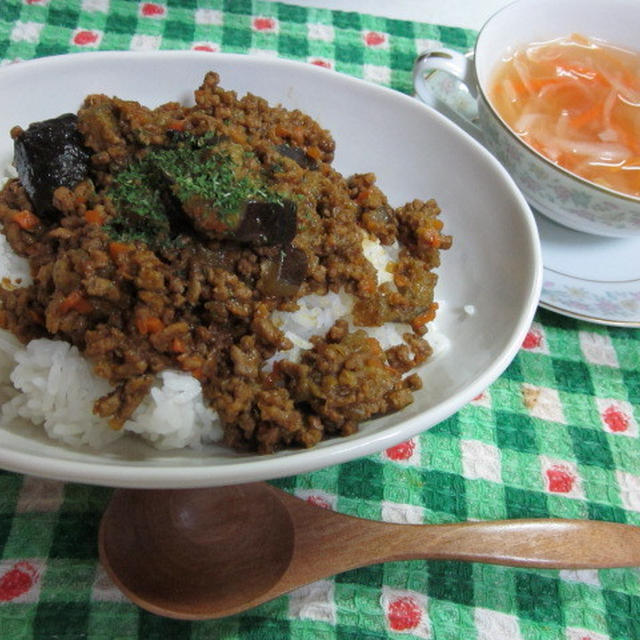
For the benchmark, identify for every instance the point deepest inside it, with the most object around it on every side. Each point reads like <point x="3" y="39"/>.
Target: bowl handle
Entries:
<point x="446" y="81"/>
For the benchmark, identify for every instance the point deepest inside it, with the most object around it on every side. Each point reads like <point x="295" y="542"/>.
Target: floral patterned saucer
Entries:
<point x="589" y="277"/>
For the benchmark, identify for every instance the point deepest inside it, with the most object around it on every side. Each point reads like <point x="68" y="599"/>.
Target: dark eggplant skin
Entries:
<point x="267" y="223"/>
<point x="47" y="155"/>
<point x="292" y="266"/>
<point x="298" y="155"/>
<point x="283" y="275"/>
<point x="255" y="223"/>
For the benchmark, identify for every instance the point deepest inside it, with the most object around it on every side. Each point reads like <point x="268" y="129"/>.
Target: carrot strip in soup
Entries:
<point x="580" y="100"/>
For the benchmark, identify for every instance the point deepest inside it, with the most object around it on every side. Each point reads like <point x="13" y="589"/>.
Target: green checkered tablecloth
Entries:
<point x="555" y="435"/>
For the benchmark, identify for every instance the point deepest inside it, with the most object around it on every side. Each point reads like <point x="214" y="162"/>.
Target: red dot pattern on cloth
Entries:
<point x="615" y="419"/>
<point x="321" y="63"/>
<point x="374" y="38"/>
<point x="264" y="24"/>
<point x="18" y="580"/>
<point x="402" y="451"/>
<point x="404" y="613"/>
<point x="532" y="340"/>
<point x="152" y="10"/>
<point x="85" y="37"/>
<point x="318" y="501"/>
<point x="560" y="480"/>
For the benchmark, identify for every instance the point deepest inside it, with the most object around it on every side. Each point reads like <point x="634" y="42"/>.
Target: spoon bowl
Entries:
<point x="209" y="553"/>
<point x="181" y="550"/>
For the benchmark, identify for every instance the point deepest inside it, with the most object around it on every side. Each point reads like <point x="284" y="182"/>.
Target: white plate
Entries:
<point x="590" y="277"/>
<point x="494" y="267"/>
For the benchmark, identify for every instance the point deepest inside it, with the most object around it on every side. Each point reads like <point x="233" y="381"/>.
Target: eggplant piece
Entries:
<point x="283" y="275"/>
<point x="298" y="155"/>
<point x="218" y="203"/>
<point x="170" y="192"/>
<point x="255" y="223"/>
<point x="267" y="223"/>
<point x="48" y="155"/>
<point x="205" y="217"/>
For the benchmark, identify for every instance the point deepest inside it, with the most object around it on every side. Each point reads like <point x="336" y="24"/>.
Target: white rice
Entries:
<point x="380" y="256"/>
<point x="57" y="390"/>
<point x="49" y="382"/>
<point x="9" y="346"/>
<point x="13" y="267"/>
<point x="174" y="414"/>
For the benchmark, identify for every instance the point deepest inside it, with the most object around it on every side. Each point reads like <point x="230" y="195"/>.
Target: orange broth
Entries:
<point x="576" y="101"/>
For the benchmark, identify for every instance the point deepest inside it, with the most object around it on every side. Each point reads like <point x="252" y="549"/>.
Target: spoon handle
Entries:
<point x="341" y="542"/>
<point x="537" y="543"/>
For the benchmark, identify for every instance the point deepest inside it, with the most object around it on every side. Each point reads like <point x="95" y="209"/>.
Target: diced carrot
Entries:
<point x="430" y="237"/>
<point x="94" y="216"/>
<point x="177" y="125"/>
<point x="26" y="220"/>
<point x="68" y="303"/>
<point x="141" y="325"/>
<point x="363" y="196"/>
<point x="118" y="248"/>
<point x="154" y="325"/>
<point x="368" y="286"/>
<point x="426" y="316"/>
<point x="77" y="302"/>
<point x="374" y="345"/>
<point x="314" y="152"/>
<point x="297" y="135"/>
<point x="197" y="373"/>
<point x="190" y="362"/>
<point x="149" y="324"/>
<point x="401" y="280"/>
<point x="178" y="346"/>
<point x="83" y="306"/>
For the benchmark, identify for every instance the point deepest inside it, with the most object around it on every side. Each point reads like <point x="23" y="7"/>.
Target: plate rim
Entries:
<point x="297" y="461"/>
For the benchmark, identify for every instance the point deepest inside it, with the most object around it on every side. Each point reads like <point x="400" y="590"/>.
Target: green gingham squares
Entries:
<point x="377" y="49"/>
<point x="557" y="435"/>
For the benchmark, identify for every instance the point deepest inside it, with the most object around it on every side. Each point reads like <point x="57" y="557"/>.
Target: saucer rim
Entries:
<point x="610" y="322"/>
<point x="567" y="311"/>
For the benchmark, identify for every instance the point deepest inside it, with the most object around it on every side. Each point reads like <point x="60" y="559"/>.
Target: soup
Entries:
<point x="576" y="101"/>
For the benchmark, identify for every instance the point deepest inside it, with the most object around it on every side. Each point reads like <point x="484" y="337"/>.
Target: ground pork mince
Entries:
<point x="167" y="238"/>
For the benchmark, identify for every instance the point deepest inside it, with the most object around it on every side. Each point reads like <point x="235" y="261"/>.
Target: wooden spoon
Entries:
<point x="208" y="553"/>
